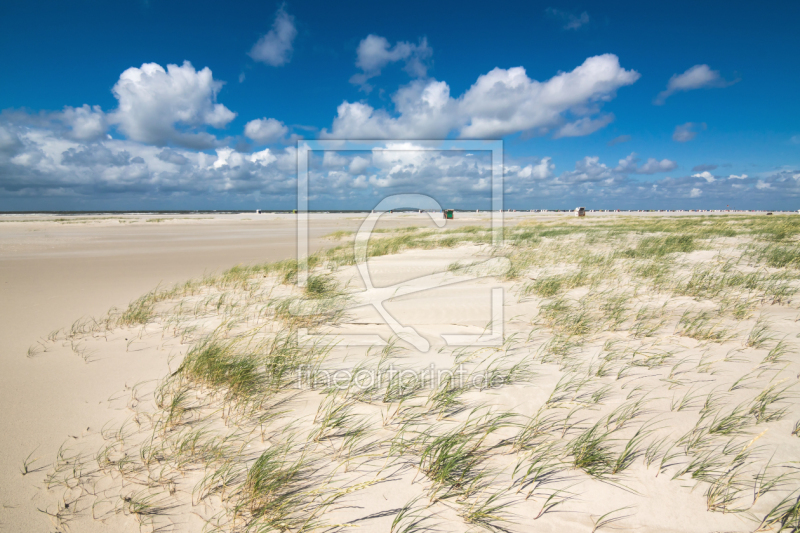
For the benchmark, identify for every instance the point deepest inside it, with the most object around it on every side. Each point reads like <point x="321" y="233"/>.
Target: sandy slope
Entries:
<point x="56" y="395"/>
<point x="53" y="273"/>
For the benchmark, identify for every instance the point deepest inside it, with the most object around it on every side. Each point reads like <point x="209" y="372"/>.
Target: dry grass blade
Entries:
<point x="607" y="519"/>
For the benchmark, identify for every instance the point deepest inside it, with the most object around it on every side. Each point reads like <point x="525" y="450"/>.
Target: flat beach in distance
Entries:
<point x="55" y="269"/>
<point x="645" y="377"/>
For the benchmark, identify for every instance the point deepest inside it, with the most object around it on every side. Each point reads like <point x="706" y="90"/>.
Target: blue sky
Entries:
<point x="624" y="104"/>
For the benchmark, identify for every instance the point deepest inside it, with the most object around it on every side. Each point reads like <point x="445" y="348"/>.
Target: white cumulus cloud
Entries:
<point x="501" y="102"/>
<point x="227" y="157"/>
<point x="630" y="165"/>
<point x="653" y="166"/>
<point x="333" y="159"/>
<point x="375" y="52"/>
<point x="706" y="175"/>
<point x="38" y="162"/>
<point x="359" y="182"/>
<point x="275" y="48"/>
<point x="152" y="101"/>
<point x="584" y="126"/>
<point x="505" y="101"/>
<point x="265" y="130"/>
<point x="358" y="165"/>
<point x="542" y="170"/>
<point x="697" y="77"/>
<point x="85" y="123"/>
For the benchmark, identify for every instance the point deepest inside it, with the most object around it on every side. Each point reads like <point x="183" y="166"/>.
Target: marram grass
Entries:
<point x="628" y="327"/>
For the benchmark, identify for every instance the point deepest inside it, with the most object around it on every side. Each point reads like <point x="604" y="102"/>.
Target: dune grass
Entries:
<point x="624" y="335"/>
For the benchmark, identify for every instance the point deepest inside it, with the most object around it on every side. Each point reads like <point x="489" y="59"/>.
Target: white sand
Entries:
<point x="54" y="273"/>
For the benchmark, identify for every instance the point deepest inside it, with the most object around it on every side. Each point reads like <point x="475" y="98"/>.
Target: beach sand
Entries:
<point x="55" y="272"/>
<point x="97" y="389"/>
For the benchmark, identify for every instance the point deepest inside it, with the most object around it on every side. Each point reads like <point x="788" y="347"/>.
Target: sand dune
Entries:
<point x="645" y="380"/>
